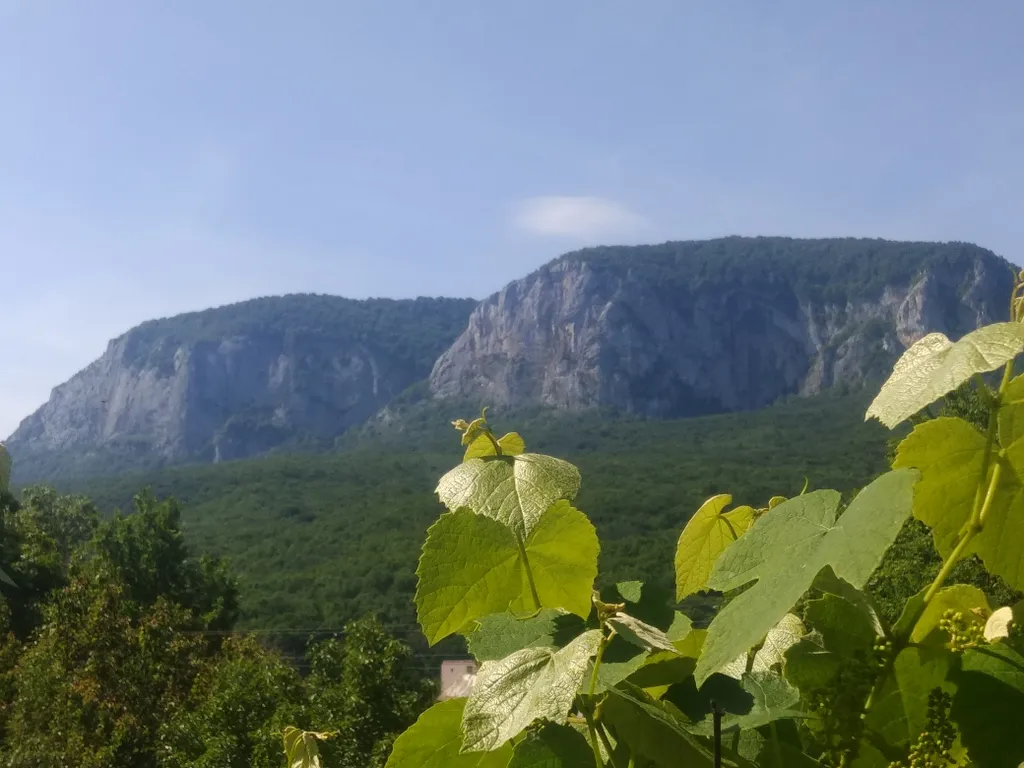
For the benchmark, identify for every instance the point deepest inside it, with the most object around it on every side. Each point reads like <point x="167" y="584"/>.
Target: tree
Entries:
<point x="236" y="711"/>
<point x="366" y="689"/>
<point x="146" y="551"/>
<point x="101" y="676"/>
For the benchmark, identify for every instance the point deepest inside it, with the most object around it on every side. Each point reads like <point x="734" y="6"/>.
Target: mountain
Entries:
<point x="665" y="331"/>
<point x="235" y="381"/>
<point x="696" y="327"/>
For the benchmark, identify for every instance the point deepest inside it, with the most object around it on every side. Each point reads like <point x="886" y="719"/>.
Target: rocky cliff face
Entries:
<point x="234" y="382"/>
<point x="689" y="328"/>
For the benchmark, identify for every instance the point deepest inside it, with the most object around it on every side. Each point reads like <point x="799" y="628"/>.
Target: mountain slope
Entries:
<point x="695" y="327"/>
<point x="320" y="539"/>
<point x="235" y="381"/>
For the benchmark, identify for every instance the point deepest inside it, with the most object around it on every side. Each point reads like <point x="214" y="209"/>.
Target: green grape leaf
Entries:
<point x="498" y="635"/>
<point x="964" y="598"/>
<point x="471" y="567"/>
<point x="511" y="444"/>
<point x="435" y="741"/>
<point x="654" y="730"/>
<point x="662" y="669"/>
<point x="900" y="713"/>
<point x="779" y="639"/>
<point x="640" y="634"/>
<point x="1011" y="412"/>
<point x="554" y="746"/>
<point x="843" y="627"/>
<point x="988" y="703"/>
<point x="514" y="490"/>
<point x="5" y="468"/>
<point x="949" y="454"/>
<point x="809" y="664"/>
<point x="935" y="366"/>
<point x="531" y="684"/>
<point x="774" y="699"/>
<point x="301" y="749"/>
<point x="706" y="536"/>
<point x="630" y="591"/>
<point x="784" y="551"/>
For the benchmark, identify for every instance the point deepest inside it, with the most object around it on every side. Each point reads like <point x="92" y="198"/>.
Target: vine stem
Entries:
<point x="593" y="737"/>
<point x="591" y="691"/>
<point x="529" y="571"/>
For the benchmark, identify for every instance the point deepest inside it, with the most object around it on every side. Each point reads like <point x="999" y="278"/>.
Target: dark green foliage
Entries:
<point x="99" y="679"/>
<point x="836" y="270"/>
<point x="317" y="541"/>
<point x="128" y="657"/>
<point x="238" y="706"/>
<point x="366" y="690"/>
<point x="146" y="551"/>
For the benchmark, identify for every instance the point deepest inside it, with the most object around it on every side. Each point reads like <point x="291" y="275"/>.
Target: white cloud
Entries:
<point x="587" y="218"/>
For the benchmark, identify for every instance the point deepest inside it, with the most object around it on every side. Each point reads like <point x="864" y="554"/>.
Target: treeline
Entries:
<point x="116" y="649"/>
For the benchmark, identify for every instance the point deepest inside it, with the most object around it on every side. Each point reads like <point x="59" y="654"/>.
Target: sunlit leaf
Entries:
<point x="531" y="684"/>
<point x="471" y="567"/>
<point x="435" y="741"/>
<point x="949" y="454"/>
<point x="935" y="366"/>
<point x="511" y="445"/>
<point x="783" y="552"/>
<point x="706" y="536"/>
<point x="514" y="490"/>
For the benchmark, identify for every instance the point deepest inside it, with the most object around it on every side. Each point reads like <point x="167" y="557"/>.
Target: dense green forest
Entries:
<point x="317" y="540"/>
<point x="417" y="330"/>
<point x="836" y="270"/>
<point x="117" y="649"/>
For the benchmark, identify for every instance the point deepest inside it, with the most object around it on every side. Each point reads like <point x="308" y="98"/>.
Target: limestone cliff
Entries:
<point x="234" y="382"/>
<point x="686" y="328"/>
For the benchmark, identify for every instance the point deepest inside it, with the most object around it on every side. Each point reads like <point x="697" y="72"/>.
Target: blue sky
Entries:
<point x="159" y="157"/>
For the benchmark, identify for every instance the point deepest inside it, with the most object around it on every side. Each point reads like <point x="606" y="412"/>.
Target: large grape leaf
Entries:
<point x="949" y="454"/>
<point x="531" y="684"/>
<point x="706" y="536"/>
<point x="553" y="746"/>
<point x="988" y="704"/>
<point x="498" y="635"/>
<point x="900" y="712"/>
<point x="435" y="741"/>
<point x="514" y="490"/>
<point x="783" y="552"/>
<point x="471" y="567"/>
<point x="934" y="366"/>
<point x="5" y="468"/>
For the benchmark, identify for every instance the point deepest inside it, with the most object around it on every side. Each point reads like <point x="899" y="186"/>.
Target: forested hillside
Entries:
<point x="319" y="539"/>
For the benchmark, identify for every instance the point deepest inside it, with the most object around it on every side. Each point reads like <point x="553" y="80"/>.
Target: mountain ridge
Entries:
<point x="677" y="329"/>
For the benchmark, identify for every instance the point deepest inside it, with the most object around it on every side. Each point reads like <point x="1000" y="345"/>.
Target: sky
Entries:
<point x="161" y="157"/>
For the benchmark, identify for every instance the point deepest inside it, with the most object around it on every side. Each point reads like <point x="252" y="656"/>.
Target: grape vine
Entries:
<point x="798" y="668"/>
